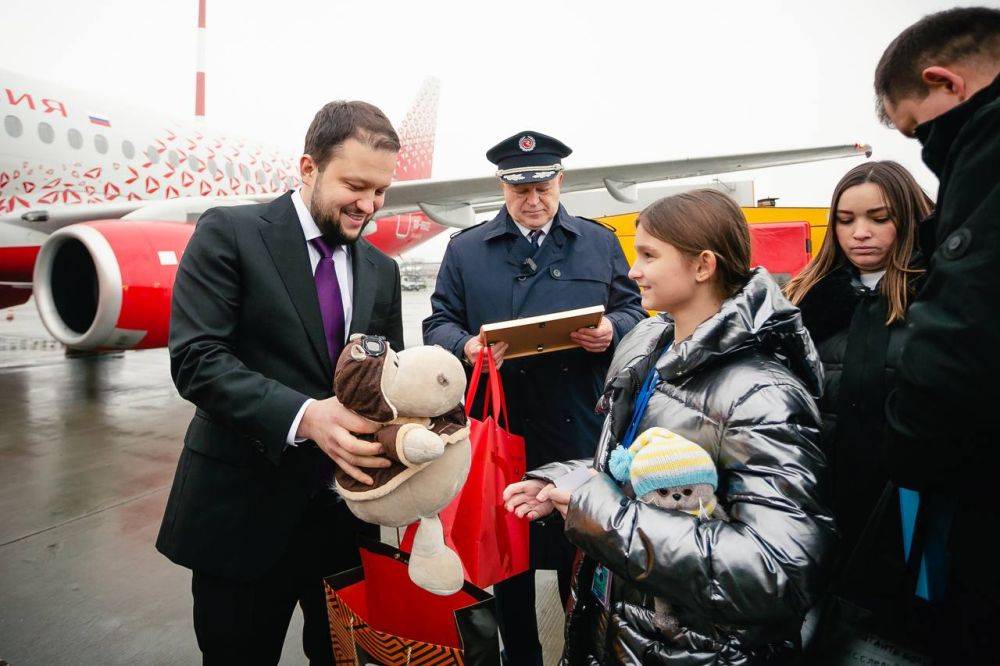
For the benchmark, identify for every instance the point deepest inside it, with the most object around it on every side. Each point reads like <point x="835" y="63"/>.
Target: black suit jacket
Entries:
<point x="247" y="347"/>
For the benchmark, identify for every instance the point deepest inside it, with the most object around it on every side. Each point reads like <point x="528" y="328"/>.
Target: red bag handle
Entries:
<point x="495" y="396"/>
<point x="470" y="393"/>
<point x="496" y="388"/>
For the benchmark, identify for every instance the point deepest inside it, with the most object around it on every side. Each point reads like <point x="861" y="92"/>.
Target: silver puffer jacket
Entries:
<point x="741" y="386"/>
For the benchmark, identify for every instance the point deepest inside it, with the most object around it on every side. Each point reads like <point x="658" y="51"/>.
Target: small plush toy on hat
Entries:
<point x="671" y="472"/>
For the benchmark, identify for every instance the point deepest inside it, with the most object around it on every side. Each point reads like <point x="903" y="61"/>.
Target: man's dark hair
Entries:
<point x="339" y="121"/>
<point x="955" y="35"/>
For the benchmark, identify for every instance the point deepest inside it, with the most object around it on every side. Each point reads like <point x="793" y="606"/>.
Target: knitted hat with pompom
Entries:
<point x="658" y="459"/>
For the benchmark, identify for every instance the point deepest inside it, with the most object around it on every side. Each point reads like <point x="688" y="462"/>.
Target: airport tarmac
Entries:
<point x="88" y="448"/>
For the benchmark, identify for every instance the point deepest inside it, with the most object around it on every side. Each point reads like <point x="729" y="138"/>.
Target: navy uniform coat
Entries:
<point x="484" y="279"/>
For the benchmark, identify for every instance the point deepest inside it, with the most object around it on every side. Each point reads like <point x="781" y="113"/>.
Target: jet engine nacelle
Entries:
<point x="108" y="284"/>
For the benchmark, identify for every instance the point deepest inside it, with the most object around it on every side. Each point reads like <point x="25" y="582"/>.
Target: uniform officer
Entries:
<point x="534" y="258"/>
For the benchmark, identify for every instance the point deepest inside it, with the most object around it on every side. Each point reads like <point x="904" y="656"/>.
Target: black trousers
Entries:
<point x="246" y="622"/>
<point x="515" y="601"/>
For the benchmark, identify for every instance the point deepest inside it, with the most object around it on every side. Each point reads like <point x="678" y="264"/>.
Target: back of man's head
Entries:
<point x="968" y="36"/>
<point x="339" y="121"/>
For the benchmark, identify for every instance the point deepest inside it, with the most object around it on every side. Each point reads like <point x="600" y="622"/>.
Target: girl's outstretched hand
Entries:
<point x="522" y="500"/>
<point x="558" y="497"/>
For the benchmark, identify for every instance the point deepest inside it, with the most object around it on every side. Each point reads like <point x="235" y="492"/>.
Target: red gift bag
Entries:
<point x="492" y="543"/>
<point x="377" y="616"/>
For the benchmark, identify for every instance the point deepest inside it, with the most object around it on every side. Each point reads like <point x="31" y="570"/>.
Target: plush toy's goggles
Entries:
<point x="374" y="345"/>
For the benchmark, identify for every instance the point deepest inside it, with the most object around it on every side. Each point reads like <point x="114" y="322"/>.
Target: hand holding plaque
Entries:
<point x="542" y="333"/>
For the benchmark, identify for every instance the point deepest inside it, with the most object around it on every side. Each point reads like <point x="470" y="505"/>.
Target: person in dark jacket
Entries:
<point x="732" y="369"/>
<point x="853" y="296"/>
<point x="535" y="258"/>
<point x="939" y="81"/>
<point x="264" y="300"/>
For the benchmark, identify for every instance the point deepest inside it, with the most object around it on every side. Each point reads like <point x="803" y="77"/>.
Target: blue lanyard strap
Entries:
<point x="938" y="512"/>
<point x="641" y="402"/>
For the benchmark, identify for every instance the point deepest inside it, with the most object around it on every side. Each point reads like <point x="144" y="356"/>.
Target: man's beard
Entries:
<point x="329" y="226"/>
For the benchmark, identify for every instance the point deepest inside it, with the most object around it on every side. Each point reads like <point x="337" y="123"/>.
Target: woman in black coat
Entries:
<point x="853" y="297"/>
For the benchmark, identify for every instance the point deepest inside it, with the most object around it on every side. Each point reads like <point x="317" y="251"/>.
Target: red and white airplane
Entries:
<point x="67" y="157"/>
<point x="97" y="201"/>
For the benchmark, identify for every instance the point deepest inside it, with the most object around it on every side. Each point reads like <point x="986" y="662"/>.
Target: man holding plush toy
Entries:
<point x="264" y="301"/>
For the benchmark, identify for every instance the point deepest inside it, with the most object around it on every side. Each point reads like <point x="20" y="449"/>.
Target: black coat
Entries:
<point x="859" y="353"/>
<point x="247" y="348"/>
<point x="945" y="410"/>
<point x="483" y="279"/>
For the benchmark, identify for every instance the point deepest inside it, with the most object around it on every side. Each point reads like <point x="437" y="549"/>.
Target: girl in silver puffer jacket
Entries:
<point x="736" y="372"/>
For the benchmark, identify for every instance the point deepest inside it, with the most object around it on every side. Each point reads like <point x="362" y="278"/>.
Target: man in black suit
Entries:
<point x="264" y="299"/>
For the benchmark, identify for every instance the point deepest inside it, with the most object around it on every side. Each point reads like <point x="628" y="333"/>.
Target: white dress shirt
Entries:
<point x="527" y="230"/>
<point x="341" y="265"/>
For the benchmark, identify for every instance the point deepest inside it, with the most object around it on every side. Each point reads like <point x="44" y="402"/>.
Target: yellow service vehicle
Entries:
<point x="783" y="239"/>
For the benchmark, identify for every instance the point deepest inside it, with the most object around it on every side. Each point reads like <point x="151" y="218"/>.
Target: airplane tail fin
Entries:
<point x="416" y="134"/>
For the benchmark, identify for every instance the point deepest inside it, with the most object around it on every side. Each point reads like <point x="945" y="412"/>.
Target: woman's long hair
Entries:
<point x="907" y="204"/>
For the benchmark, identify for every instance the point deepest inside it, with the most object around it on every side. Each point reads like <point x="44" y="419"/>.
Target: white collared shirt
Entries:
<point x="341" y="263"/>
<point x="527" y="230"/>
<point x="345" y="277"/>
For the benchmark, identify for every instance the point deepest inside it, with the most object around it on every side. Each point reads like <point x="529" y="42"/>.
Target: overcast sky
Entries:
<point x="618" y="80"/>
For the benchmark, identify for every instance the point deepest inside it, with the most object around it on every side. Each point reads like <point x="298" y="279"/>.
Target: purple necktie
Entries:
<point x="330" y="305"/>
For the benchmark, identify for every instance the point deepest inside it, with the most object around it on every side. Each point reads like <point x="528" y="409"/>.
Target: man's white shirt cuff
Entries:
<point x="292" y="440"/>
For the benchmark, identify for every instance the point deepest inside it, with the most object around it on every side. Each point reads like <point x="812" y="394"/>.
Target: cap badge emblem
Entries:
<point x="526" y="143"/>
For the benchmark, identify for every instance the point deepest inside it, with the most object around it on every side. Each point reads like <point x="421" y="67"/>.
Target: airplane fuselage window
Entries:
<point x="100" y="143"/>
<point x="192" y="163"/>
<point x="75" y="138"/>
<point x="46" y="133"/>
<point x="213" y="168"/>
<point x="172" y="158"/>
<point x="245" y="172"/>
<point x="260" y="176"/>
<point x="128" y="150"/>
<point x="13" y="126"/>
<point x="229" y="170"/>
<point x="152" y="155"/>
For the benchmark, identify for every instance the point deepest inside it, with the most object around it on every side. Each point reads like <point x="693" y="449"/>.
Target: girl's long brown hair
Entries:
<point x="907" y="204"/>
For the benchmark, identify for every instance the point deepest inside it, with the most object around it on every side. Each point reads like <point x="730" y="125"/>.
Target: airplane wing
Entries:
<point x="454" y="203"/>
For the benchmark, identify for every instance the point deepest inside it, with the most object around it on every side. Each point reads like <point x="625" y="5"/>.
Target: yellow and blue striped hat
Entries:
<point x="658" y="459"/>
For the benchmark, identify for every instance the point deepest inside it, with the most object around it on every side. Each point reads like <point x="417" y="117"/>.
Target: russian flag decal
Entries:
<point x="99" y="120"/>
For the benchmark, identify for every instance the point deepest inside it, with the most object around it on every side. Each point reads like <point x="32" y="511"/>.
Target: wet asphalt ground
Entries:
<point x="88" y="448"/>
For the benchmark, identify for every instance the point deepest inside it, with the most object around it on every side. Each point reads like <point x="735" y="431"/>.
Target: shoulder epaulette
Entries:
<point x="474" y="226"/>
<point x="597" y="222"/>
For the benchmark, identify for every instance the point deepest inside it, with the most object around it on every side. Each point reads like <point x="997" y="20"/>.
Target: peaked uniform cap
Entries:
<point x="528" y="157"/>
